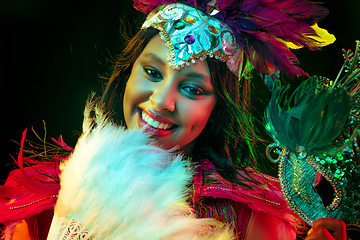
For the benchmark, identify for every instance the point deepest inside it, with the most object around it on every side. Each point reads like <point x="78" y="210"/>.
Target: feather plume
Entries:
<point x="119" y="185"/>
<point x="318" y="110"/>
<point x="264" y="29"/>
<point x="309" y="119"/>
<point x="261" y="26"/>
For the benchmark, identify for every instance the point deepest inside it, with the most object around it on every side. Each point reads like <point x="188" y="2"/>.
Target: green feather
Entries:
<point x="307" y="118"/>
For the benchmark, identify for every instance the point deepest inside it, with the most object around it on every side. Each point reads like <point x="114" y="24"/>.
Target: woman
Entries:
<point x="197" y="112"/>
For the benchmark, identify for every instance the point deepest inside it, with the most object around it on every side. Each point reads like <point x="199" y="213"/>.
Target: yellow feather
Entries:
<point x="324" y="38"/>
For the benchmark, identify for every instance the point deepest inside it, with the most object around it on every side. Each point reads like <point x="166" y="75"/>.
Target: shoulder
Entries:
<point x="262" y="201"/>
<point x="209" y="183"/>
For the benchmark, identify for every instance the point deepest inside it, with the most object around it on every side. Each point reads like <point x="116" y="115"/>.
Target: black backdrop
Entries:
<point x="53" y="52"/>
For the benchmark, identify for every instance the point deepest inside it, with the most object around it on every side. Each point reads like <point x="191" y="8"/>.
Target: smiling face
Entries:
<point x="174" y="105"/>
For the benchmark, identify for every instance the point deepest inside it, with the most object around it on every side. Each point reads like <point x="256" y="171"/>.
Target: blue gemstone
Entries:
<point x="189" y="39"/>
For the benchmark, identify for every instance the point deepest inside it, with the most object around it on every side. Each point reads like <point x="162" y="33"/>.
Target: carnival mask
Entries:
<point x="316" y="133"/>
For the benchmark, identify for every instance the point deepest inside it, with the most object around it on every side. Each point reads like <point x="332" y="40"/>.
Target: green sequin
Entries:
<point x="179" y="25"/>
<point x="214" y="41"/>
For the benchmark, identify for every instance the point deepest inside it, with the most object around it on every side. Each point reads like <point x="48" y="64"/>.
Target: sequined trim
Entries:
<point x="285" y="191"/>
<point x="251" y="195"/>
<point x="338" y="190"/>
<point x="36" y="201"/>
<point x="263" y="199"/>
<point x="284" y="186"/>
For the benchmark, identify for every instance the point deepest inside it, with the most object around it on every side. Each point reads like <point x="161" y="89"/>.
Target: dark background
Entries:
<point x="53" y="52"/>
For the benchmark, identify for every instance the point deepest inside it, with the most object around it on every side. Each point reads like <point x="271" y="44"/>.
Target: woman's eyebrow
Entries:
<point x="197" y="76"/>
<point x="155" y="58"/>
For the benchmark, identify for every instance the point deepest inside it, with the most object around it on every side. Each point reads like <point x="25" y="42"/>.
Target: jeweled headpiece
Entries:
<point x="259" y="31"/>
<point x="190" y="34"/>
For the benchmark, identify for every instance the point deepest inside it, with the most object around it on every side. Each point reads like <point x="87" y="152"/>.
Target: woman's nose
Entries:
<point x="163" y="96"/>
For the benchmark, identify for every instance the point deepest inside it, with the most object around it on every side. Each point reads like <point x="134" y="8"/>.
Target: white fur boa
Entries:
<point x="118" y="185"/>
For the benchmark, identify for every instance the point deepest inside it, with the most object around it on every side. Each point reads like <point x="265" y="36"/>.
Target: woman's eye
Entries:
<point x="194" y="92"/>
<point x="152" y="73"/>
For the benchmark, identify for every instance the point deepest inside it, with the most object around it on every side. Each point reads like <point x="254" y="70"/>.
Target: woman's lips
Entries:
<point x="157" y="117"/>
<point x="163" y="122"/>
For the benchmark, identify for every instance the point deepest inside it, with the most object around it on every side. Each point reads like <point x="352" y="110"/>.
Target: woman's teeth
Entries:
<point x="155" y="124"/>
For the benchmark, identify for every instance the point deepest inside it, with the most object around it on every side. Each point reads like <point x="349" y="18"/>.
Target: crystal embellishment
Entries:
<point x="213" y="29"/>
<point x="189" y="19"/>
<point x="179" y="25"/>
<point x="189" y="39"/>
